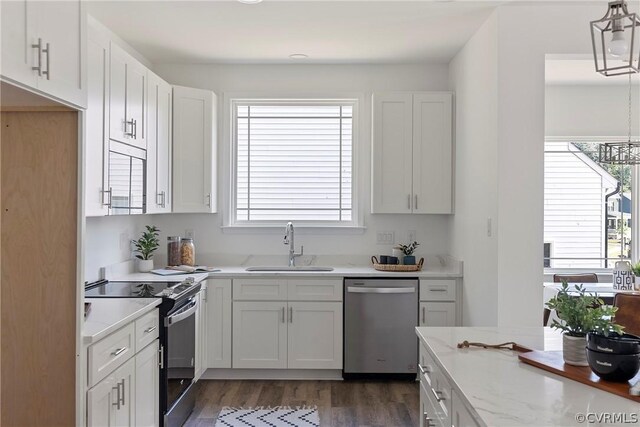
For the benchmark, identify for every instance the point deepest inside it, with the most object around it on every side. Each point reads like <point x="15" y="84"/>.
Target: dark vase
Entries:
<point x="409" y="260"/>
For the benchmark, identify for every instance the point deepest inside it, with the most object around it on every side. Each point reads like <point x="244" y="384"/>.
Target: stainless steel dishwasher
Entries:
<point x="379" y="327"/>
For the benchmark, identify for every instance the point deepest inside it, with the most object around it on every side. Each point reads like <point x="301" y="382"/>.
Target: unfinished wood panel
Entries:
<point x="38" y="295"/>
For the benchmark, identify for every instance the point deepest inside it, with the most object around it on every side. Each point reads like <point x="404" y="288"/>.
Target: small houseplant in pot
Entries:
<point x="146" y="245"/>
<point x="408" y="250"/>
<point x="579" y="313"/>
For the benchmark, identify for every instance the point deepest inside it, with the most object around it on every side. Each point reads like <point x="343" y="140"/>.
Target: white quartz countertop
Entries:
<point x="506" y="392"/>
<point x="110" y="314"/>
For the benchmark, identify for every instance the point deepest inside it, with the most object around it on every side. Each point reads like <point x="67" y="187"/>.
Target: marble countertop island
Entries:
<point x="506" y="392"/>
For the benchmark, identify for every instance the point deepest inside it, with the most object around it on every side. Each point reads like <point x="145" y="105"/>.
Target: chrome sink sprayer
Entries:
<point x="289" y="240"/>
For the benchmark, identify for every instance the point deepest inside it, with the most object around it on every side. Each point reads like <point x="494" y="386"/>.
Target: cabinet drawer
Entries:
<point x="109" y="353"/>
<point x="438" y="389"/>
<point x="147" y="329"/>
<point x="260" y="289"/>
<point x="315" y="290"/>
<point x="437" y="290"/>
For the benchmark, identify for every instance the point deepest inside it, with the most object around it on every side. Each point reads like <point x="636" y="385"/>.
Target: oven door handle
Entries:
<point x="184" y="313"/>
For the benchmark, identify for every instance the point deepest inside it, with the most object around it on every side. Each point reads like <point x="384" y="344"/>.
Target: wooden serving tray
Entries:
<point x="552" y="361"/>
<point x="396" y="267"/>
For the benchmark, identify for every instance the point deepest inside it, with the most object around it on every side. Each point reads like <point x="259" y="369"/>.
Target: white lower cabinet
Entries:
<point x="217" y="337"/>
<point x="437" y="313"/>
<point x="111" y="402"/>
<point x="127" y="394"/>
<point x="287" y="324"/>
<point x="147" y="408"/>
<point x="259" y="334"/>
<point x="315" y="335"/>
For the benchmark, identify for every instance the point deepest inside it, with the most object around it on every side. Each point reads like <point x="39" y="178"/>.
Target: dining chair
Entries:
<point x="628" y="314"/>
<point x="571" y="278"/>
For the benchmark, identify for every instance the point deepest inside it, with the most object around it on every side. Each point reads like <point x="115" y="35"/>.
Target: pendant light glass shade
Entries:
<point x="616" y="41"/>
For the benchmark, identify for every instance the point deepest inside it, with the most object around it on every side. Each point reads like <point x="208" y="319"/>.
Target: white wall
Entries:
<point x="474" y="78"/>
<point x="590" y="110"/>
<point x="107" y="242"/>
<point x="528" y="32"/>
<point x="292" y="80"/>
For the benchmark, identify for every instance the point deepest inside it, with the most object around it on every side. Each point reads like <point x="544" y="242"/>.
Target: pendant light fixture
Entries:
<point x="621" y="153"/>
<point x="616" y="41"/>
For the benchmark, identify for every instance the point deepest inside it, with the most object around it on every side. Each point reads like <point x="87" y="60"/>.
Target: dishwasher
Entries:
<point x="380" y="317"/>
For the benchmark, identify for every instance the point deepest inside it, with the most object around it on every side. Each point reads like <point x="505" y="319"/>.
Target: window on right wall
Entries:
<point x="587" y="208"/>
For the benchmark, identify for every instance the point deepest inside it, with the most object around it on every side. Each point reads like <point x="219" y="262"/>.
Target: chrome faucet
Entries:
<point x="288" y="240"/>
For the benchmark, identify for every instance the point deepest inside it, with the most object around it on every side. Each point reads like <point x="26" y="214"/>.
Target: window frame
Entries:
<point x="232" y="101"/>
<point x="635" y="208"/>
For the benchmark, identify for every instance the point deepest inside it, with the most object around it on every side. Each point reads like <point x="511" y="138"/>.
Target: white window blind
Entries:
<point x="293" y="161"/>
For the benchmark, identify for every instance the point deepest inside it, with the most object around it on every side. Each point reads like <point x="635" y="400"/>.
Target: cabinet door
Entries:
<point x="194" y="150"/>
<point x="136" y="102"/>
<point x="391" y="190"/>
<point x="315" y="335"/>
<point x="159" y="105"/>
<point x="101" y="403"/>
<point x="96" y="140"/>
<point x="61" y="25"/>
<point x="437" y="314"/>
<point x="460" y="415"/>
<point x="125" y="378"/>
<point x="259" y="334"/>
<point x="218" y="330"/>
<point x="432" y="153"/>
<point x="18" y="34"/>
<point x="119" y="129"/>
<point x="147" y="386"/>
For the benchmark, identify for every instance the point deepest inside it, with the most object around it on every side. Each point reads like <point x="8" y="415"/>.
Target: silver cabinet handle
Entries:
<point x="121" y="397"/>
<point x="438" y="395"/>
<point x="118" y="351"/>
<point x="151" y="329"/>
<point x="427" y="420"/>
<point x="162" y="197"/>
<point x="39" y="47"/>
<point x="424" y="370"/>
<point x="117" y="402"/>
<point x="437" y="290"/>
<point x="109" y="192"/>
<point x="424" y="317"/>
<point x="48" y="52"/>
<point x="283" y="321"/>
<point x="126" y="124"/>
<point x="208" y="197"/>
<point x="290" y="314"/>
<point x="135" y="129"/>
<point x="409" y="201"/>
<point x="415" y="205"/>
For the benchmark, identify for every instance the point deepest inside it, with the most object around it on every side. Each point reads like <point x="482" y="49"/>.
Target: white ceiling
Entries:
<point x="327" y="31"/>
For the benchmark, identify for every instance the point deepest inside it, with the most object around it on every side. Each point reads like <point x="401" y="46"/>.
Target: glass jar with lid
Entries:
<point x="187" y="252"/>
<point x="173" y="251"/>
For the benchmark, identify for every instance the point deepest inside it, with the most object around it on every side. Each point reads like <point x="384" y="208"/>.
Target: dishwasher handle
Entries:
<point x="374" y="290"/>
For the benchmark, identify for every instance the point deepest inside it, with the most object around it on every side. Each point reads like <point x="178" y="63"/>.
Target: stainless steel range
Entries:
<point x="177" y="339"/>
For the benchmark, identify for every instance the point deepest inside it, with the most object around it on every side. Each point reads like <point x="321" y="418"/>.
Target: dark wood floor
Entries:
<point x="340" y="403"/>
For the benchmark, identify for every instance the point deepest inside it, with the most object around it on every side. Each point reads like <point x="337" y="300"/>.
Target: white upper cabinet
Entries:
<point x="159" y="144"/>
<point x="96" y="138"/>
<point x="127" y="101"/>
<point x="42" y="48"/>
<point x="412" y="153"/>
<point x="194" y="150"/>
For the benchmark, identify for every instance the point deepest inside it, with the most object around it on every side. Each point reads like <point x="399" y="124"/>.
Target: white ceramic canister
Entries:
<point x="623" y="278"/>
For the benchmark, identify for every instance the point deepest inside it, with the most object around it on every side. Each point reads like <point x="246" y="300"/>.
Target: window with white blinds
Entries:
<point x="293" y="161"/>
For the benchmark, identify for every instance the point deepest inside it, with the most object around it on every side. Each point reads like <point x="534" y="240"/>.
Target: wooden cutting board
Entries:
<point x="552" y="361"/>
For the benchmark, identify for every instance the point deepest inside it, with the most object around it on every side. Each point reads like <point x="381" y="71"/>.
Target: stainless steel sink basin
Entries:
<point x="297" y="268"/>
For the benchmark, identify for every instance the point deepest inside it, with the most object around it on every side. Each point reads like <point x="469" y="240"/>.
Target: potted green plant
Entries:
<point x="146" y="245"/>
<point x="636" y="272"/>
<point x="408" y="250"/>
<point x="579" y="313"/>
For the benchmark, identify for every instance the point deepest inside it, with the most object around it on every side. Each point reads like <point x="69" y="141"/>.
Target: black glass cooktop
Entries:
<point x="135" y="289"/>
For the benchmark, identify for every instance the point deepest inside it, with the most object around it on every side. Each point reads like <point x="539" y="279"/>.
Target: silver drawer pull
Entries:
<point x="119" y="351"/>
<point x="151" y="329"/>
<point x="438" y="395"/>
<point x="437" y="290"/>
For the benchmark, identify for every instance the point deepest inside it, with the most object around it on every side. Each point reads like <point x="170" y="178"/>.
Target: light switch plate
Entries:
<point x="385" y="238"/>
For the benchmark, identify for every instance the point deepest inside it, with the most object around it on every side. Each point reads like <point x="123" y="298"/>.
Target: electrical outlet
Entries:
<point x="188" y="233"/>
<point x="412" y="236"/>
<point x="385" y="238"/>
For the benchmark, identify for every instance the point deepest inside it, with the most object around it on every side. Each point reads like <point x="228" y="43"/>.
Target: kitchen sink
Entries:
<point x="297" y="268"/>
